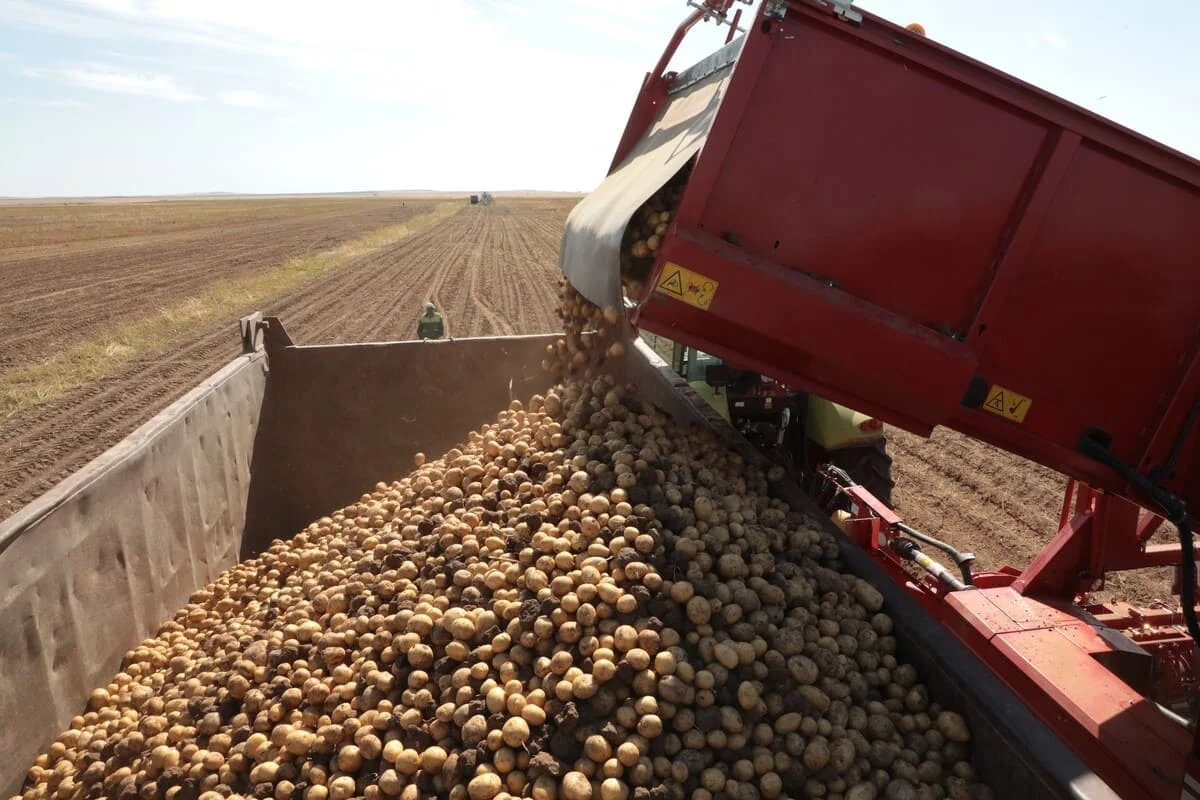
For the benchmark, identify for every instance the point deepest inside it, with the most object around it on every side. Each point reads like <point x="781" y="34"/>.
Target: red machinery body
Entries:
<point x="891" y="225"/>
<point x="991" y="258"/>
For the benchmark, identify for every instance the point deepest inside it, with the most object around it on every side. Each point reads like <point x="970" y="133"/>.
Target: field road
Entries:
<point x="492" y="269"/>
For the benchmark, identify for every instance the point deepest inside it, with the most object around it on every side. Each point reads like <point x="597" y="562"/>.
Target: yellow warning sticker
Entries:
<point x="1007" y="403"/>
<point x="683" y="284"/>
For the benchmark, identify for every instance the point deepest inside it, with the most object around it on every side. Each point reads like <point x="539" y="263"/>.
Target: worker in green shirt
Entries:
<point x="430" y="325"/>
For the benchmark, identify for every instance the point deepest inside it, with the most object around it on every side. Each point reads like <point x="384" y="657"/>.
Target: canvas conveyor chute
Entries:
<point x="590" y="255"/>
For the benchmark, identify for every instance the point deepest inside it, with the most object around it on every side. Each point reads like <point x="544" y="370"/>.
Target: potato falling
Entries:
<point x="581" y="601"/>
<point x="645" y="232"/>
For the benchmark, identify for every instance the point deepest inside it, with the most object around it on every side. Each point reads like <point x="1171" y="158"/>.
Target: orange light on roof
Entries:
<point x="916" y="28"/>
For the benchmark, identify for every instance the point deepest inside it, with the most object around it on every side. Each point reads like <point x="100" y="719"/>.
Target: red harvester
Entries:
<point x="887" y="223"/>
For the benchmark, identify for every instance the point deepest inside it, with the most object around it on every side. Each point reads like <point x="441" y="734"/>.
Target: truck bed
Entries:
<point x="275" y="440"/>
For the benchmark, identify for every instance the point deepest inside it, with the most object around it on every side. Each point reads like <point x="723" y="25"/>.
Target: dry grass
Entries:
<point x="36" y="223"/>
<point x="92" y="360"/>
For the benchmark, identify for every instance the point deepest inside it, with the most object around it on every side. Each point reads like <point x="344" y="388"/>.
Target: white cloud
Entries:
<point x="554" y="104"/>
<point x="110" y="6"/>
<point x="244" y="99"/>
<point x="1055" y="40"/>
<point x="627" y="31"/>
<point x="630" y="11"/>
<point x="106" y="78"/>
<point x="50" y="103"/>
<point x="25" y="15"/>
<point x="85" y="23"/>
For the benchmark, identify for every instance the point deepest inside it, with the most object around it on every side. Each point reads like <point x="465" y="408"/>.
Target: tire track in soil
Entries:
<point x="373" y="298"/>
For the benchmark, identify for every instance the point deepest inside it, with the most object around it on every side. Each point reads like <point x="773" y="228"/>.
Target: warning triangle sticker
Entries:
<point x="673" y="284"/>
<point x="996" y="402"/>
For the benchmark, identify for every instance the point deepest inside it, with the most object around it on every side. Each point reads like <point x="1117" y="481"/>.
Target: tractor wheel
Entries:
<point x="870" y="466"/>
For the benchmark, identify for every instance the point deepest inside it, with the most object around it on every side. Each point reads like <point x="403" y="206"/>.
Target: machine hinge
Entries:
<point x="842" y="9"/>
<point x="845" y="10"/>
<point x="775" y="9"/>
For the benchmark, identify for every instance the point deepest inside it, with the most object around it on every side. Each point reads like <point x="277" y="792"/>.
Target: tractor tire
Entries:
<point x="870" y="466"/>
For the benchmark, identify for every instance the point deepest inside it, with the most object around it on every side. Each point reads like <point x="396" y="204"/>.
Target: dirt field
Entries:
<point x="491" y="269"/>
<point x="72" y="271"/>
<point x="68" y="276"/>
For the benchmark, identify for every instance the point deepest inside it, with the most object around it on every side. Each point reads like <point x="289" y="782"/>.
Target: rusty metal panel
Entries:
<point x="94" y="566"/>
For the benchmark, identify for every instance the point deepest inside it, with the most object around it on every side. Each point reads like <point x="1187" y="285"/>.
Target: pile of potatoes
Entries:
<point x="583" y="601"/>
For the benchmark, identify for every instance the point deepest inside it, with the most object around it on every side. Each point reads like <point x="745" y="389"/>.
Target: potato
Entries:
<point x="484" y="787"/>
<point x="953" y="727"/>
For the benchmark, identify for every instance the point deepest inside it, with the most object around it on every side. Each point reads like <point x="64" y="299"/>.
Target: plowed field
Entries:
<point x="58" y="293"/>
<point x="492" y="270"/>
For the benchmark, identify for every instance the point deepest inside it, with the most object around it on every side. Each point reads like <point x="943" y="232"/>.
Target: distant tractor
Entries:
<point x="486" y="198"/>
<point x="474" y="199"/>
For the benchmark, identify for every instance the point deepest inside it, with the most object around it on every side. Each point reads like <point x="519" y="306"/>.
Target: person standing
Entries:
<point x="430" y="325"/>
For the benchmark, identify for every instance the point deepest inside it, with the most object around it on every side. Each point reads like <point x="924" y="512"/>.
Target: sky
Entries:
<point x="137" y="97"/>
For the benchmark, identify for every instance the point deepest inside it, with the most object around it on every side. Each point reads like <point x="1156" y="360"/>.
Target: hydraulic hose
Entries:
<point x="911" y="551"/>
<point x="1187" y="593"/>
<point x="963" y="560"/>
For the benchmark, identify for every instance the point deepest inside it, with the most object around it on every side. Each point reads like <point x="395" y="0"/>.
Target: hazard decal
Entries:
<point x="1007" y="403"/>
<point x="686" y="286"/>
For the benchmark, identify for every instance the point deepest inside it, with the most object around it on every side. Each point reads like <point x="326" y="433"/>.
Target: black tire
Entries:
<point x="870" y="466"/>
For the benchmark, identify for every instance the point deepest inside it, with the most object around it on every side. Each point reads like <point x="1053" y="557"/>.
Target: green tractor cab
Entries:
<point x="796" y="429"/>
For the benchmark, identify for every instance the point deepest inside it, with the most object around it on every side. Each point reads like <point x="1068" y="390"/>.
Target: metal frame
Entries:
<point x="657" y="83"/>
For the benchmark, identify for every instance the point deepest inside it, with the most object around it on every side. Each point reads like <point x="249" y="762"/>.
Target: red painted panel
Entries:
<point x="1121" y="721"/>
<point x="884" y="175"/>
<point x="1106" y="305"/>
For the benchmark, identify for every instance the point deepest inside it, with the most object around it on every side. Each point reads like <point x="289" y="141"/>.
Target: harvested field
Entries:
<point x="104" y="263"/>
<point x="491" y="269"/>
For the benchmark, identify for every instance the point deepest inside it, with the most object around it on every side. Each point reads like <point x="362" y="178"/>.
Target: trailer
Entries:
<point x="271" y="442"/>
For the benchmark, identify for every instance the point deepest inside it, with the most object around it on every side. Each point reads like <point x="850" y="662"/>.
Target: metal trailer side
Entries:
<point x="282" y="436"/>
